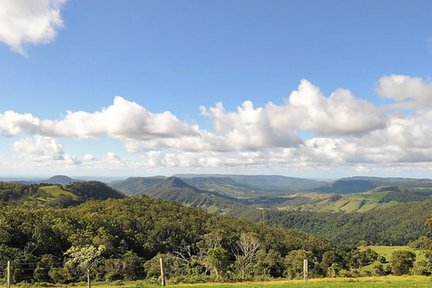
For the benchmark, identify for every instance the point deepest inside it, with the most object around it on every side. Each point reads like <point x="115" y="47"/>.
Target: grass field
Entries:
<point x="359" y="202"/>
<point x="387" y="251"/>
<point x="387" y="281"/>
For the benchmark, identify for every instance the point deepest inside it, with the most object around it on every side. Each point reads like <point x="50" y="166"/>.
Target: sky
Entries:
<point x="314" y="89"/>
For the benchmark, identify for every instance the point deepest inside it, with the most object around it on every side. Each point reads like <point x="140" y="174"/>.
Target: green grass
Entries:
<point x="387" y="251"/>
<point x="387" y="281"/>
<point x="47" y="196"/>
<point x="358" y="202"/>
<point x="56" y="191"/>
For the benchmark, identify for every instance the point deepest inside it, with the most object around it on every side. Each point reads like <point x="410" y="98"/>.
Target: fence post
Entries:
<point x="305" y="270"/>
<point x="8" y="277"/>
<point x="88" y="278"/>
<point x="163" y="282"/>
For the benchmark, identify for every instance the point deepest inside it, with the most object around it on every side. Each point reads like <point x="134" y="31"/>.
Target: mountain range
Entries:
<point x="354" y="194"/>
<point x="347" y="210"/>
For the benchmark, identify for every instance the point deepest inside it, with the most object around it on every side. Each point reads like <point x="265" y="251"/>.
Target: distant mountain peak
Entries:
<point x="176" y="182"/>
<point x="59" y="179"/>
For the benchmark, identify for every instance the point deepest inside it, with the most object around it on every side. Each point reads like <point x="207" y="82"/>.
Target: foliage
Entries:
<point x="396" y="225"/>
<point x="123" y="234"/>
<point x="402" y="261"/>
<point x="122" y="239"/>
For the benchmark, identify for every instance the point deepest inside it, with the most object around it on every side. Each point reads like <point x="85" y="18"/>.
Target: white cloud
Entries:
<point x="43" y="149"/>
<point x="248" y="128"/>
<point x="29" y="22"/>
<point x="122" y="120"/>
<point x="12" y="123"/>
<point x="39" y="148"/>
<point x="343" y="131"/>
<point x="111" y="156"/>
<point x="339" y="114"/>
<point x="306" y="109"/>
<point x="71" y="160"/>
<point x="89" y="157"/>
<point x="406" y="88"/>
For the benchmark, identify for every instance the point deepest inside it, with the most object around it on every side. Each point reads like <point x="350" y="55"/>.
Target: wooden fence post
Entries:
<point x="8" y="277"/>
<point x="163" y="280"/>
<point x="305" y="270"/>
<point x="88" y="278"/>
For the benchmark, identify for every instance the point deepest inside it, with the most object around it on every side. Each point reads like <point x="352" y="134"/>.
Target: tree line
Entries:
<point x="123" y="239"/>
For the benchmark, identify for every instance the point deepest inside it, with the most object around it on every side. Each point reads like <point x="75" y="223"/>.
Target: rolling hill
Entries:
<point x="177" y="190"/>
<point x="355" y="194"/>
<point x="395" y="225"/>
<point x="46" y="195"/>
<point x="251" y="184"/>
<point x="60" y="179"/>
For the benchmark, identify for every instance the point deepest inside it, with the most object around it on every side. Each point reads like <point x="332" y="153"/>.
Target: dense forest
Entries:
<point x="99" y="230"/>
<point x="396" y="225"/>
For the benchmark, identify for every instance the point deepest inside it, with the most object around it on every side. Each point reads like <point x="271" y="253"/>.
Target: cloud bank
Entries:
<point x="309" y="129"/>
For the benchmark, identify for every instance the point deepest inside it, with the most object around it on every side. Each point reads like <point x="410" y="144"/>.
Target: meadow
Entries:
<point x="385" y="281"/>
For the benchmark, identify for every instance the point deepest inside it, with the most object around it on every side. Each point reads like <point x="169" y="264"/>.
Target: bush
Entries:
<point x="58" y="275"/>
<point x="402" y="262"/>
<point x="378" y="270"/>
<point x="191" y="279"/>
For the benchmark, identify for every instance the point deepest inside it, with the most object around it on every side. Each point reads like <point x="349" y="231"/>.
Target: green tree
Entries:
<point x="246" y="253"/>
<point x="402" y="261"/>
<point x="83" y="258"/>
<point x="270" y="263"/>
<point x="294" y="262"/>
<point x="218" y="260"/>
<point x="41" y="273"/>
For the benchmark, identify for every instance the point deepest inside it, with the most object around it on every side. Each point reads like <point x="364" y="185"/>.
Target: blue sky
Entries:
<point x="307" y="88"/>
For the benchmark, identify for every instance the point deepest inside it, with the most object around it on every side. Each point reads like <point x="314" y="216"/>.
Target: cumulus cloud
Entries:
<point x="307" y="109"/>
<point x="111" y="156"/>
<point x="248" y="128"/>
<point x="339" y="114"/>
<point x="29" y="22"/>
<point x="39" y="148"/>
<point x="122" y="120"/>
<point x="406" y="88"/>
<point x="71" y="160"/>
<point x="342" y="130"/>
<point x="89" y="157"/>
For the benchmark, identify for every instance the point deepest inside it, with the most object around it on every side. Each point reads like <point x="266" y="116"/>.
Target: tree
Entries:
<point x="294" y="262"/>
<point x="402" y="261"/>
<point x="173" y="266"/>
<point x="217" y="259"/>
<point x="246" y="252"/>
<point x="41" y="273"/>
<point x="83" y="258"/>
<point x="269" y="263"/>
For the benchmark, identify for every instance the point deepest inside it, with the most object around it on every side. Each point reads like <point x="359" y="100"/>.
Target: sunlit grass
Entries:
<point x="385" y="281"/>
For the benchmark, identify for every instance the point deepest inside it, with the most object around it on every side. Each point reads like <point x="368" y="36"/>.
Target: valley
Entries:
<point x="184" y="219"/>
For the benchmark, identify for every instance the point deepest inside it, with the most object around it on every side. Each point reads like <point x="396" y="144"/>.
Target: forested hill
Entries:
<point x="177" y="190"/>
<point x="396" y="225"/>
<point x="362" y="184"/>
<point x="49" y="195"/>
<point x="132" y="231"/>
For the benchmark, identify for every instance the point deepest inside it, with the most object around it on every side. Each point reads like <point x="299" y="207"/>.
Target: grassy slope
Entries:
<point x="56" y="191"/>
<point x="387" y="251"/>
<point x="48" y="195"/>
<point x="361" y="202"/>
<point x="387" y="281"/>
